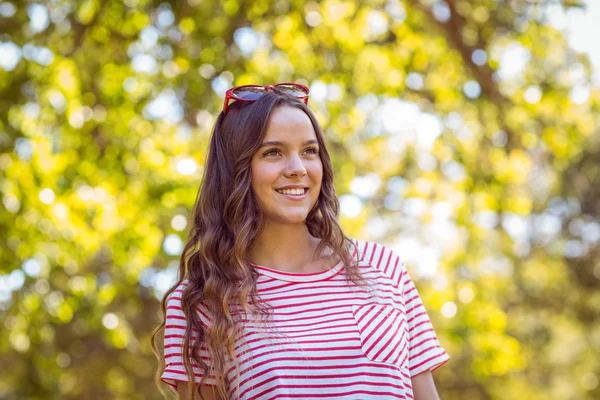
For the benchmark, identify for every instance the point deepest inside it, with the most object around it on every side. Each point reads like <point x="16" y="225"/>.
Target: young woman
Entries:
<point x="273" y="300"/>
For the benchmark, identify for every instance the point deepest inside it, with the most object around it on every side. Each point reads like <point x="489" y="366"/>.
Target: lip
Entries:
<point x="292" y="187"/>
<point x="293" y="197"/>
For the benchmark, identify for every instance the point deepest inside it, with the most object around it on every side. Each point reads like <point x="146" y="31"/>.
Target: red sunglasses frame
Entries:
<point x="230" y="95"/>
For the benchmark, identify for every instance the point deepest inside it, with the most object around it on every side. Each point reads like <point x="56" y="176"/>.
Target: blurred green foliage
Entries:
<point x="465" y="133"/>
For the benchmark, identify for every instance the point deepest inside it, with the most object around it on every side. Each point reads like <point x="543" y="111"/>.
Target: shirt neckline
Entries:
<point x="296" y="277"/>
<point x="310" y="277"/>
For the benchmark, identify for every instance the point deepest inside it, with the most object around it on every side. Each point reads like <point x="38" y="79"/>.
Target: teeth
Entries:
<point x="291" y="191"/>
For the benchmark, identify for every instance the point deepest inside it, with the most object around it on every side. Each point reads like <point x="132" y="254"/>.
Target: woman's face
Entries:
<point x="288" y="157"/>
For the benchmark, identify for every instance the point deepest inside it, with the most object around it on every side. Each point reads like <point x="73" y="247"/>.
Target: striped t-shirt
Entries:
<point x="333" y="340"/>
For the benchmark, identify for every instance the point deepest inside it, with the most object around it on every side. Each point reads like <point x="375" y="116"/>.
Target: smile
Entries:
<point x="293" y="194"/>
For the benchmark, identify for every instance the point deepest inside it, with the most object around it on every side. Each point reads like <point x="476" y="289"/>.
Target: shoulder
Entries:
<point x="175" y="296"/>
<point x="175" y="309"/>
<point x="382" y="258"/>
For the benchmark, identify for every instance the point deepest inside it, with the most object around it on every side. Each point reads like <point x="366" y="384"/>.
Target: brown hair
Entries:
<point x="226" y="221"/>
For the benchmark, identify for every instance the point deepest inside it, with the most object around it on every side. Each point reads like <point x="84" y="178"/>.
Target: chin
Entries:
<point x="300" y="219"/>
<point x="295" y="218"/>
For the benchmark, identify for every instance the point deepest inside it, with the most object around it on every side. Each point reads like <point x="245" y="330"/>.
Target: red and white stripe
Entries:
<point x="332" y="340"/>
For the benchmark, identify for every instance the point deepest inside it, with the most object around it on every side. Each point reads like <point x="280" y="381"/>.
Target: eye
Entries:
<point x="309" y="150"/>
<point x="271" y="152"/>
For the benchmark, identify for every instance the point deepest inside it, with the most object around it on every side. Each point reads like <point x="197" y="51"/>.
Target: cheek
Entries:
<point x="316" y="172"/>
<point x="263" y="177"/>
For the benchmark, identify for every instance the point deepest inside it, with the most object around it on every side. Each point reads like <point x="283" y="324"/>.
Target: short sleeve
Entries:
<point x="175" y="326"/>
<point x="424" y="350"/>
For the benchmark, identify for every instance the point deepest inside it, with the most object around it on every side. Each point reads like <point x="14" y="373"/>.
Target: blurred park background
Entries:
<point x="465" y="134"/>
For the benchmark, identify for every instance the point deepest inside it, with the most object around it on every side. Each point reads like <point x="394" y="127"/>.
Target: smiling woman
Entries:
<point x="273" y="299"/>
<point x="287" y="170"/>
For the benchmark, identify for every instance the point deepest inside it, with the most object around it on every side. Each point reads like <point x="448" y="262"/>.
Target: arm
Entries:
<point x="425" y="352"/>
<point x="208" y="392"/>
<point x="174" y="373"/>
<point x="424" y="387"/>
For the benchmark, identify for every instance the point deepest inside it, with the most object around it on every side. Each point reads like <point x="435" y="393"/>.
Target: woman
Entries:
<point x="274" y="301"/>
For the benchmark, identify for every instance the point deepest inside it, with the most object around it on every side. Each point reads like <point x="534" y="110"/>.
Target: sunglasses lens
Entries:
<point x="249" y="93"/>
<point x="292" y="90"/>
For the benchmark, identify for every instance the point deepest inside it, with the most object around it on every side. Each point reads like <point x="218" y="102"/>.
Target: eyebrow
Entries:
<point x="278" y="143"/>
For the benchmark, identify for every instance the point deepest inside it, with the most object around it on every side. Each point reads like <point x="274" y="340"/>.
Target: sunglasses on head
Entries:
<point x="251" y="93"/>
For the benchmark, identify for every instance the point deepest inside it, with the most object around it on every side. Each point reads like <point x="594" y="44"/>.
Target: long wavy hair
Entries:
<point x="227" y="219"/>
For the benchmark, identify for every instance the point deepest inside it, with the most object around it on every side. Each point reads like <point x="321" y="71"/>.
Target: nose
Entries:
<point x="295" y="167"/>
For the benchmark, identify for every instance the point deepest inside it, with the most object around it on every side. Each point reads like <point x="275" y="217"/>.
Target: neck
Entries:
<point x="284" y="247"/>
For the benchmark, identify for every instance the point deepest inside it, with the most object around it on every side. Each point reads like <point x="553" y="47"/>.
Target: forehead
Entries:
<point x="289" y="123"/>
